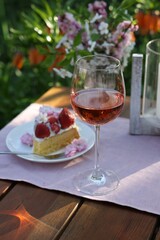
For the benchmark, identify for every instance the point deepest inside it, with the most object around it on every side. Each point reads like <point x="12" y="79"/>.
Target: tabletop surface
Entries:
<point x="30" y="212"/>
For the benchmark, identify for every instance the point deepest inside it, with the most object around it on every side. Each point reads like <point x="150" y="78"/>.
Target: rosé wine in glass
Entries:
<point x="97" y="97"/>
<point x="97" y="106"/>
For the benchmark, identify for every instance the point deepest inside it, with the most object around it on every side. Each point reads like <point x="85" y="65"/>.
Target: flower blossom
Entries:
<point x="103" y="28"/>
<point x="98" y="7"/>
<point x="95" y="18"/>
<point x="67" y="43"/>
<point x="127" y="25"/>
<point x="49" y="111"/>
<point x="42" y="117"/>
<point x="62" y="72"/>
<point x="68" y="25"/>
<point x="91" y="45"/>
<point x="97" y="35"/>
<point x="122" y="39"/>
<point x="77" y="145"/>
<point x="27" y="139"/>
<point x="123" y="29"/>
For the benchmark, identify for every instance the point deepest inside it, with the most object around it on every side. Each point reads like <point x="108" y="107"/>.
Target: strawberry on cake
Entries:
<point x="53" y="130"/>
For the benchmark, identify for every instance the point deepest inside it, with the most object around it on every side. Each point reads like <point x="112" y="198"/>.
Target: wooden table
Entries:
<point x="29" y="212"/>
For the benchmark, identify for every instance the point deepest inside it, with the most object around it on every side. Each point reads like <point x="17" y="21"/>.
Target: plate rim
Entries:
<point x="55" y="160"/>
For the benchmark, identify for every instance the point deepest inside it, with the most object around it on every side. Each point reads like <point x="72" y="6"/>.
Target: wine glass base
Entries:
<point x="96" y="185"/>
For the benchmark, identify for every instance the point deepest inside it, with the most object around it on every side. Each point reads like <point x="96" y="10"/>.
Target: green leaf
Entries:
<point x="125" y="4"/>
<point x="40" y="12"/>
<point x="48" y="61"/>
<point x="95" y="37"/>
<point x="49" y="10"/>
<point x="77" y="40"/>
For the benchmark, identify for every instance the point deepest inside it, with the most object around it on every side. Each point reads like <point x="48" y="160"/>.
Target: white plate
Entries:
<point x="13" y="142"/>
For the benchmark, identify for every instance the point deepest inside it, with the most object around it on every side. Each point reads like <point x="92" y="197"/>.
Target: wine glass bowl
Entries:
<point x="97" y="97"/>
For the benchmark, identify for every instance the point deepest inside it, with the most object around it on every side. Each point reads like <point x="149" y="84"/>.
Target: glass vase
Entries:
<point x="151" y="94"/>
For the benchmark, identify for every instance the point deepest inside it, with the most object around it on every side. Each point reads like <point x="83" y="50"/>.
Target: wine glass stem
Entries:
<point x="96" y="173"/>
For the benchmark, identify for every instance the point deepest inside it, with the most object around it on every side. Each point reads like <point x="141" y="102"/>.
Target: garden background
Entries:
<point x="24" y="75"/>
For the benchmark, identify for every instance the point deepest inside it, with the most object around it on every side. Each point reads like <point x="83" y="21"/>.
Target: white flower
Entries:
<point x="95" y="18"/>
<point x="80" y="47"/>
<point x="47" y="110"/>
<point x="68" y="44"/>
<point x="92" y="46"/>
<point x="87" y="28"/>
<point x="103" y="28"/>
<point x="62" y="41"/>
<point x="42" y="117"/>
<point x="72" y="62"/>
<point x="107" y="46"/>
<point x="94" y="31"/>
<point x="62" y="72"/>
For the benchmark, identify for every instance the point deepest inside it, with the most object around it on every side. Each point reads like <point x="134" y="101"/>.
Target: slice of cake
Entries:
<point x="53" y="130"/>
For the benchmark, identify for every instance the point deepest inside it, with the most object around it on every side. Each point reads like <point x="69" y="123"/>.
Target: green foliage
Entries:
<point x="147" y="5"/>
<point x="19" y="89"/>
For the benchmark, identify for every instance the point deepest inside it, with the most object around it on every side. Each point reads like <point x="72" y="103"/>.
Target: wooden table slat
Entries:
<point x="26" y="205"/>
<point x="108" y="221"/>
<point x="56" y="97"/>
<point x="4" y="187"/>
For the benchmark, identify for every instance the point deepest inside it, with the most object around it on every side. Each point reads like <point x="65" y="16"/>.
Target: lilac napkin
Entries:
<point x="135" y="159"/>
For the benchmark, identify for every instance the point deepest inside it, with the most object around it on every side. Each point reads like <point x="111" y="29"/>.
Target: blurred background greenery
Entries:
<point x="23" y="74"/>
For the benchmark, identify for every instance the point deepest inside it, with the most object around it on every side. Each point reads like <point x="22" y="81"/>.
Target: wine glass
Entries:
<point x="97" y="97"/>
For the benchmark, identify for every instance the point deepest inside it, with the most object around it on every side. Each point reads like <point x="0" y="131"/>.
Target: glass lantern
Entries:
<point x="151" y="94"/>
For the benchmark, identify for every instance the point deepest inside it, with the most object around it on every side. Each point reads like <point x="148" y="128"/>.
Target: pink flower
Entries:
<point x="27" y="139"/>
<point x="127" y="26"/>
<point x="78" y="145"/>
<point x="68" y="25"/>
<point x="98" y="7"/>
<point x="124" y="25"/>
<point x="70" y="150"/>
